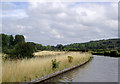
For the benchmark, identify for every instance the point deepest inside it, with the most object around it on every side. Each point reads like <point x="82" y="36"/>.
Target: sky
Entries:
<point x="51" y="23"/>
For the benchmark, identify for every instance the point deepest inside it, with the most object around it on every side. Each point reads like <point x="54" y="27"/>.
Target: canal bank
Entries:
<point x="99" y="69"/>
<point x="44" y="78"/>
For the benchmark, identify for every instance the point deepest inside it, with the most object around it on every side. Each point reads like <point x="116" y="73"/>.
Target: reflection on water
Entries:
<point x="99" y="69"/>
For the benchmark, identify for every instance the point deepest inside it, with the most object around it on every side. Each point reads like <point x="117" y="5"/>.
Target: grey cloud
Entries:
<point x="54" y="23"/>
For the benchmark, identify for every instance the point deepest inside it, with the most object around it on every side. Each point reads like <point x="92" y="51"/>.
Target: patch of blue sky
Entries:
<point x="18" y="14"/>
<point x="21" y="5"/>
<point x="14" y="5"/>
<point x="14" y="10"/>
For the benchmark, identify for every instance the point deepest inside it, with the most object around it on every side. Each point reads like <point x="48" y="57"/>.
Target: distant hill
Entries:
<point x="108" y="44"/>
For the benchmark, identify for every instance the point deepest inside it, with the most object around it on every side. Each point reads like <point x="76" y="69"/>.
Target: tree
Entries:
<point x="4" y="40"/>
<point x="4" y="43"/>
<point x="10" y="41"/>
<point x="32" y="44"/>
<point x="19" y="39"/>
<point x="114" y="53"/>
<point x="48" y="47"/>
<point x="39" y="47"/>
<point x="59" y="46"/>
<point x="0" y="43"/>
<point x="22" y="50"/>
<point x="52" y="47"/>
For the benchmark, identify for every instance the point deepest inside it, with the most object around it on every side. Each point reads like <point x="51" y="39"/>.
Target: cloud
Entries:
<point x="57" y="22"/>
<point x="12" y="10"/>
<point x="14" y="14"/>
<point x="55" y="34"/>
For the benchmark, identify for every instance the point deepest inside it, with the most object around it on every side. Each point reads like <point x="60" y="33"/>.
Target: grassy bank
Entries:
<point x="29" y="69"/>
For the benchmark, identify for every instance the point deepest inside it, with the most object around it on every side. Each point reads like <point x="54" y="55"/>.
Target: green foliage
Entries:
<point x="17" y="48"/>
<point x="114" y="53"/>
<point x="0" y="43"/>
<point x="48" y="47"/>
<point x="10" y="46"/>
<point x="19" y="38"/>
<point x="118" y="55"/>
<point x="106" y="53"/>
<point x="5" y="50"/>
<point x="98" y="53"/>
<point x="55" y="64"/>
<point x="70" y="59"/>
<point x="59" y="47"/>
<point x="39" y="47"/>
<point x="53" y="48"/>
<point x="32" y="44"/>
<point x="4" y="58"/>
<point x="96" y="45"/>
<point x="4" y="40"/>
<point x="25" y="78"/>
<point x="10" y="41"/>
<point x="23" y="50"/>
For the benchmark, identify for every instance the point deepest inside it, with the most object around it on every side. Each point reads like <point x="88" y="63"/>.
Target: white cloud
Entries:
<point x="57" y="22"/>
<point x="56" y="34"/>
<point x="25" y="36"/>
<point x="61" y="15"/>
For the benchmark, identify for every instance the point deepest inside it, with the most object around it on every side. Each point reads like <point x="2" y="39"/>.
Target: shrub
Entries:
<point x="22" y="50"/>
<point x="114" y="53"/>
<point x="107" y="53"/>
<point x="70" y="59"/>
<point x="55" y="64"/>
<point x="98" y="53"/>
<point x="4" y="58"/>
<point x="118" y="55"/>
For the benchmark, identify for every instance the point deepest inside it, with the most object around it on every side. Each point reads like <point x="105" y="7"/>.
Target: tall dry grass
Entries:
<point x="49" y="53"/>
<point x="29" y="69"/>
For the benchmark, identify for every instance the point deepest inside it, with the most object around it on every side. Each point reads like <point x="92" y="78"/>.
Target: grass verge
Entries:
<point x="29" y="69"/>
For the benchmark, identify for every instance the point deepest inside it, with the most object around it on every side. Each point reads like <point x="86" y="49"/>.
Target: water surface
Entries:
<point x="99" y="69"/>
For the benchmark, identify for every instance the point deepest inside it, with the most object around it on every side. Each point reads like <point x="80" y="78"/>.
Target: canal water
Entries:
<point x="99" y="69"/>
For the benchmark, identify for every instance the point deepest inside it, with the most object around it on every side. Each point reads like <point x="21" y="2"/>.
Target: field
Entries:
<point x="49" y="53"/>
<point x="29" y="69"/>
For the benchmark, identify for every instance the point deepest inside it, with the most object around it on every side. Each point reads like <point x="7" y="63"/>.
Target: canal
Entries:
<point x="99" y="69"/>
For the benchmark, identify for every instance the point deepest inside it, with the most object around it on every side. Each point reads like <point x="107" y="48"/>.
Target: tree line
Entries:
<point x="16" y="47"/>
<point x="109" y="47"/>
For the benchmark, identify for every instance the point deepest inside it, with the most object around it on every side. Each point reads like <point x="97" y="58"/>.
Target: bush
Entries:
<point x="118" y="55"/>
<point x="22" y="50"/>
<point x="70" y="59"/>
<point x="107" y="53"/>
<point x="4" y="57"/>
<point x="114" y="53"/>
<point x="98" y="53"/>
<point x="55" y="64"/>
